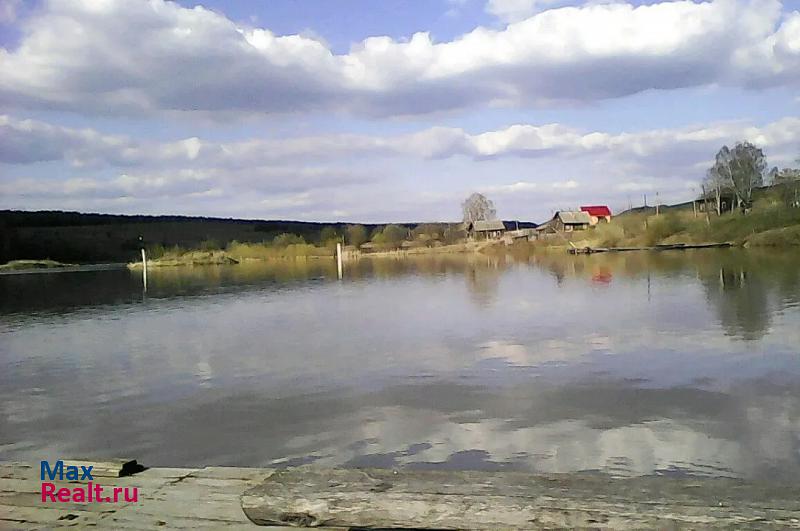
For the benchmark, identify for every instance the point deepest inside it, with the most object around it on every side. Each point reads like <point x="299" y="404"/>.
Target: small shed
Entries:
<point x="512" y="236"/>
<point x="571" y="221"/>
<point x="485" y="229"/>
<point x="597" y="213"/>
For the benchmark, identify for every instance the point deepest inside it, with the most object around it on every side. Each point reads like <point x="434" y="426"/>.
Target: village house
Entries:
<point x="571" y="221"/>
<point x="597" y="214"/>
<point x="562" y="222"/>
<point x="485" y="229"/>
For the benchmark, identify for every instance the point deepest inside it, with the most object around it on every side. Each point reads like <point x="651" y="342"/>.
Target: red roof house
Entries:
<point x="598" y="213"/>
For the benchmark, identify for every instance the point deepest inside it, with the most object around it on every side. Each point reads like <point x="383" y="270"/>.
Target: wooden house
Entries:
<point x="570" y="221"/>
<point x="485" y="229"/>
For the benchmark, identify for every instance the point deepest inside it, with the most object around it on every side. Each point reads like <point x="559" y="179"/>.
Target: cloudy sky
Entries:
<point x="384" y="111"/>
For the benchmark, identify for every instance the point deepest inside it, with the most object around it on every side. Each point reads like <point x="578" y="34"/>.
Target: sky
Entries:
<point x="391" y="111"/>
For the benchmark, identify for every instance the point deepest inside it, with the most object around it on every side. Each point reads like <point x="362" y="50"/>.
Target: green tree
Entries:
<point x="394" y="234"/>
<point x="428" y="231"/>
<point x="355" y="235"/>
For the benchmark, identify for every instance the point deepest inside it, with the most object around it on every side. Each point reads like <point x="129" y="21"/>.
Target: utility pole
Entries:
<point x="657" y="205"/>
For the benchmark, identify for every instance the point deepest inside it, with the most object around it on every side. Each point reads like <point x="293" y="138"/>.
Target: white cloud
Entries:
<point x="28" y="141"/>
<point x="127" y="56"/>
<point x="565" y="185"/>
<point x="514" y="188"/>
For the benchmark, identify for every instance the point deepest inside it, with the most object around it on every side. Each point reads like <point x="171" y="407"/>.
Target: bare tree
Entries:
<point x="716" y="183"/>
<point x="743" y="167"/>
<point x="478" y="208"/>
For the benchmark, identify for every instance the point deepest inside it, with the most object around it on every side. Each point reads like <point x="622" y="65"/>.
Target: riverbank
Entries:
<point x="767" y="225"/>
<point x="229" y="497"/>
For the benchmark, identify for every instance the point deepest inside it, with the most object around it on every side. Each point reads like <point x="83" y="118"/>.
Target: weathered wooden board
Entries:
<point x="224" y="498"/>
<point x="307" y="496"/>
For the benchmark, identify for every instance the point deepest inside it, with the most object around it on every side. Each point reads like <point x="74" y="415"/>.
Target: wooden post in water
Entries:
<point x="339" y="259"/>
<point x="144" y="269"/>
<point x="144" y="264"/>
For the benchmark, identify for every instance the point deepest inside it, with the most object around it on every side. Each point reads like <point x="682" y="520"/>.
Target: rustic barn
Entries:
<point x="597" y="213"/>
<point x="485" y="230"/>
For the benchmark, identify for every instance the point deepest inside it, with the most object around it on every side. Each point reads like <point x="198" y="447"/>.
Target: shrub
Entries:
<point x="209" y="245"/>
<point x="264" y="251"/>
<point x="285" y="239"/>
<point x="609" y="235"/>
<point x="662" y="227"/>
<point x="356" y="235"/>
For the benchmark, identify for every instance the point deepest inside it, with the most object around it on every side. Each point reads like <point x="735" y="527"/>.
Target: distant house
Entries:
<point x="485" y="230"/>
<point x="570" y="221"/>
<point x="597" y="213"/>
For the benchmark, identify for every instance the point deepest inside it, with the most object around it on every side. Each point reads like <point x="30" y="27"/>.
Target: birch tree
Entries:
<point x="743" y="167"/>
<point x="478" y="208"/>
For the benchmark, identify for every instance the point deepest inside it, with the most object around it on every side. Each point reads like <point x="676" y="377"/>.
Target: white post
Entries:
<point x="339" y="259"/>
<point x="144" y="269"/>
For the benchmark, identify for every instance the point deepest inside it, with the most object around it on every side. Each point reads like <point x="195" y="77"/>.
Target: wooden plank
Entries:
<point x="175" y="505"/>
<point x="307" y="496"/>
<point x="16" y="517"/>
<point x="21" y="506"/>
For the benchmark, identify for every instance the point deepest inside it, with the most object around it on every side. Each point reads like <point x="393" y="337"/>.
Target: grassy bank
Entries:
<point x="19" y="265"/>
<point x="233" y="254"/>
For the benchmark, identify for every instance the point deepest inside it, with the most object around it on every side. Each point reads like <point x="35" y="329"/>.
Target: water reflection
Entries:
<point x="671" y="363"/>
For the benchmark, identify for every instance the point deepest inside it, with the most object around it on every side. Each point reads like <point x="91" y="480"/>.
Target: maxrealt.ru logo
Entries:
<point x="88" y="493"/>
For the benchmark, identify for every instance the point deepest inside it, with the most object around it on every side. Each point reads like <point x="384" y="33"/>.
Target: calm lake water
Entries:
<point x="627" y="364"/>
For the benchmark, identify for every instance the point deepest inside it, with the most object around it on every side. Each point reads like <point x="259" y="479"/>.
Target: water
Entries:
<point x="627" y="364"/>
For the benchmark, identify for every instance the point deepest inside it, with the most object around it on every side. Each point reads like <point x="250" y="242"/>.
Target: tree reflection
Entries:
<point x="747" y="288"/>
<point x="483" y="280"/>
<point x="741" y="300"/>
